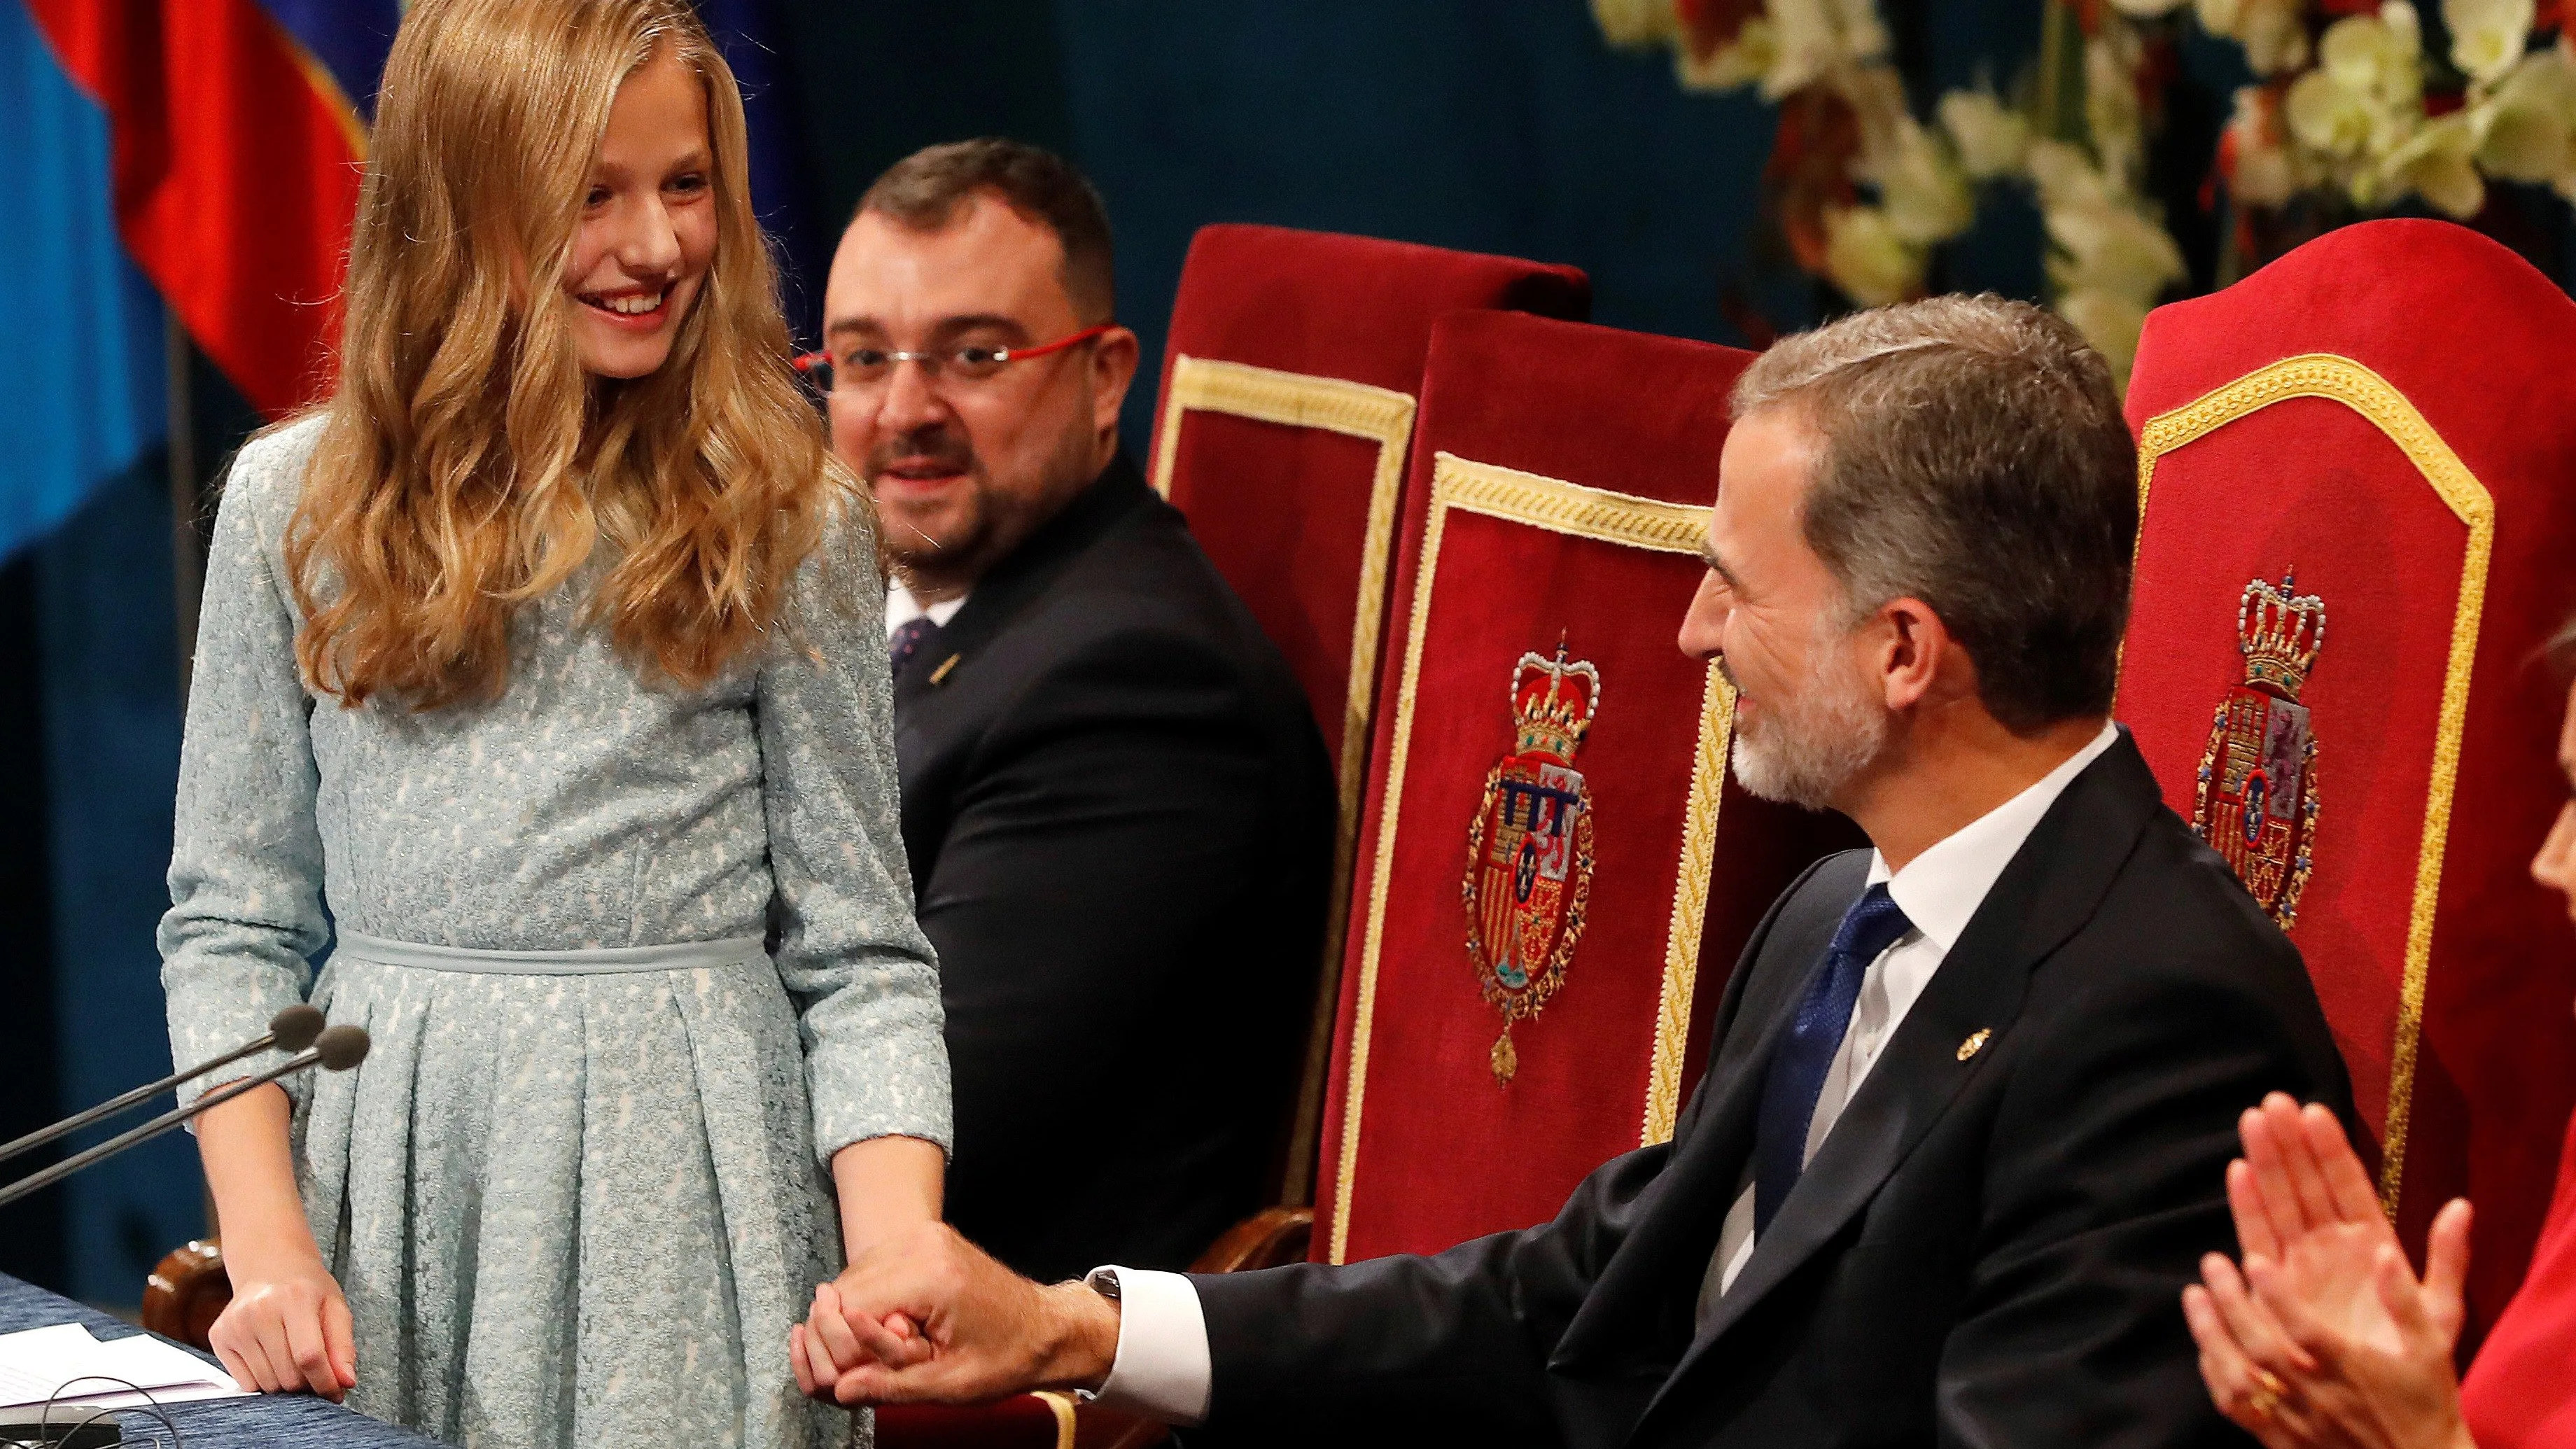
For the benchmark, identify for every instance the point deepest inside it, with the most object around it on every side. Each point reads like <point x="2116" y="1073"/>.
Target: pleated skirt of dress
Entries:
<point x="576" y="1210"/>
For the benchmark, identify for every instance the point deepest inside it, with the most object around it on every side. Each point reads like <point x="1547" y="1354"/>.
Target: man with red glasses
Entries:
<point x="1115" y="800"/>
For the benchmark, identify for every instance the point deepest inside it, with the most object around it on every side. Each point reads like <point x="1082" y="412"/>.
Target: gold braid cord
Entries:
<point x="2342" y="380"/>
<point x="1358" y="410"/>
<point x="1551" y="505"/>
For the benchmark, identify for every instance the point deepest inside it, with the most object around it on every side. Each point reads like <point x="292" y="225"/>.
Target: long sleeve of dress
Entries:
<point x="876" y="1063"/>
<point x="246" y="862"/>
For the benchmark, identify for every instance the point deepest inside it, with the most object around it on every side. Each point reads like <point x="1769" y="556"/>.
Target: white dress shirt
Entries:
<point x="902" y="608"/>
<point x="1162" y="1368"/>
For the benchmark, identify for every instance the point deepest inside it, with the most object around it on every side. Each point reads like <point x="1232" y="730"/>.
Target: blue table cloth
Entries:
<point x="287" y="1421"/>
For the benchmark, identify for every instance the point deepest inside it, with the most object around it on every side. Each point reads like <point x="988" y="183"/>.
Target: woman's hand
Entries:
<point x="287" y="1329"/>
<point x="2327" y="1338"/>
<point x="288" y="1326"/>
<point x="889" y="1188"/>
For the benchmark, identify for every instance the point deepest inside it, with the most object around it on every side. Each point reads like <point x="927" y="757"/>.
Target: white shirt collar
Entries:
<point x="902" y="608"/>
<point x="1941" y="889"/>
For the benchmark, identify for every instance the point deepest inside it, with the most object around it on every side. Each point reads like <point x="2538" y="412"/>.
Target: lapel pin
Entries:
<point x="940" y="674"/>
<point x="1975" y="1043"/>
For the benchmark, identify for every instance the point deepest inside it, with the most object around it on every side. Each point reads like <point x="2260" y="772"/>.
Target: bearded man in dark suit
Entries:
<point x="1972" y="1092"/>
<point x="1115" y="799"/>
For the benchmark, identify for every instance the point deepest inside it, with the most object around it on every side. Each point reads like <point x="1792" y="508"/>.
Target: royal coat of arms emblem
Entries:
<point x="2256" y="800"/>
<point x="1529" y="848"/>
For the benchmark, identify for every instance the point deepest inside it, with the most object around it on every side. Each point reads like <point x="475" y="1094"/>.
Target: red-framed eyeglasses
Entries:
<point x="871" y="367"/>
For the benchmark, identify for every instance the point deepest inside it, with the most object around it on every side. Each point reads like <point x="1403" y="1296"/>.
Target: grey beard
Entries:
<point x="1805" y="753"/>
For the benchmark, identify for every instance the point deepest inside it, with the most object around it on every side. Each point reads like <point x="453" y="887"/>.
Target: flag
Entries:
<point x="235" y="165"/>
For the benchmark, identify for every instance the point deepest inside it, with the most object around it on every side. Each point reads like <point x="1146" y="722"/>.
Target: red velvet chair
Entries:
<point x="2358" y="469"/>
<point x="1286" y="411"/>
<point x="1556" y="871"/>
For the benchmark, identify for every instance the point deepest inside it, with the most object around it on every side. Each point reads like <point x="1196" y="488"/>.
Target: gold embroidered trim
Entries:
<point x="2340" y="379"/>
<point x="1690" y="907"/>
<point x="1353" y="409"/>
<point x="1555" y="506"/>
<point x="1061" y="1405"/>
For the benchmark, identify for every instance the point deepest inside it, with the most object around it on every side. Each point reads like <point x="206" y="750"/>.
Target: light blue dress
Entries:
<point x="569" y="1206"/>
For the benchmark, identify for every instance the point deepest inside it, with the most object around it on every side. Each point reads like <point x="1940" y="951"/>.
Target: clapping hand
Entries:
<point x="928" y="1317"/>
<point x="2327" y="1337"/>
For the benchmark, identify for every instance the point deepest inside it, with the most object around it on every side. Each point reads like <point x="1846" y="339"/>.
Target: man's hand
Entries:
<point x="929" y="1317"/>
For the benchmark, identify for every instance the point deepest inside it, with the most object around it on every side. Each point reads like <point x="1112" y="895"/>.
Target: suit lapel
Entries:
<point x="2051" y="888"/>
<point x="1638" y="1294"/>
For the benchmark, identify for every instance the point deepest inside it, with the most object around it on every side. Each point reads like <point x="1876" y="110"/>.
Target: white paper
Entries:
<point x="58" y="1364"/>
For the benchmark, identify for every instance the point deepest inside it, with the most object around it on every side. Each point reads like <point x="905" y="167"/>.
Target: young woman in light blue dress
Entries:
<point x="541" y="678"/>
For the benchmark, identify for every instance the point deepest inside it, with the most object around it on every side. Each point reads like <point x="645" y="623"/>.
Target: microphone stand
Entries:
<point x="294" y="1029"/>
<point x="337" y="1049"/>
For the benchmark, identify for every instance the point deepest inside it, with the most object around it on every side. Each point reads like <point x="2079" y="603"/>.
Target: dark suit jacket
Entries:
<point x="1119" y="815"/>
<point x="1987" y="1251"/>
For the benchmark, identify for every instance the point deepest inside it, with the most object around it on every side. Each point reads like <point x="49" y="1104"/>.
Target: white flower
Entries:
<point x="2368" y="55"/>
<point x="1637" y="22"/>
<point x="1755" y="51"/>
<point x="2111" y="323"/>
<point x="1991" y="139"/>
<point x="2487" y="36"/>
<point x="2327" y="115"/>
<point x="2261" y="171"/>
<point x="2436" y="164"/>
<point x="2111" y="109"/>
<point x="1921" y="188"/>
<point x="2110" y="247"/>
<point x="2064" y="177"/>
<point x="1867" y="259"/>
<point x="1815" y="38"/>
<point x="2274" y="34"/>
<point x="2527" y="130"/>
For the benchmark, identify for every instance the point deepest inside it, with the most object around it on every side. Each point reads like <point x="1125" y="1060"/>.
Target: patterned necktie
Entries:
<point x="1796" y="1075"/>
<point x="907" y="639"/>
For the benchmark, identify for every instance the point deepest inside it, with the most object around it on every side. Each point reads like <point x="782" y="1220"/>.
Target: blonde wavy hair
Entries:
<point x="469" y="465"/>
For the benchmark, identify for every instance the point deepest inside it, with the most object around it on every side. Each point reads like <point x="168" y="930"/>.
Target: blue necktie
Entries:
<point x="907" y="639"/>
<point x="1796" y="1075"/>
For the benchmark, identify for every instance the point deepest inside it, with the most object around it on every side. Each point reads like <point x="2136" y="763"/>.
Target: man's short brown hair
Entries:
<point x="924" y="189"/>
<point x="1974" y="458"/>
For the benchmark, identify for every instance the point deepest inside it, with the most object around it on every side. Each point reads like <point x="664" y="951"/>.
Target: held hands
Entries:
<point x="928" y="1317"/>
<point x="2326" y="1337"/>
<point x="287" y="1329"/>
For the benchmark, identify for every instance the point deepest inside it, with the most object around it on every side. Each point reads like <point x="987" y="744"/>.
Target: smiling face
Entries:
<point x="1808" y="715"/>
<point x="648" y="223"/>
<point x="964" y="469"/>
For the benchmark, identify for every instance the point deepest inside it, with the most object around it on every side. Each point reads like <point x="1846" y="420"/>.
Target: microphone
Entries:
<point x="337" y="1049"/>
<point x="292" y="1030"/>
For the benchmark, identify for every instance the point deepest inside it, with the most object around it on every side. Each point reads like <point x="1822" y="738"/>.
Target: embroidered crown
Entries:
<point x="1553" y="700"/>
<point x="2281" y="632"/>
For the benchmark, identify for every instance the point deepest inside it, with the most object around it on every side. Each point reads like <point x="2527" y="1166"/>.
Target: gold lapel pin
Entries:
<point x="1975" y="1043"/>
<point x="940" y="674"/>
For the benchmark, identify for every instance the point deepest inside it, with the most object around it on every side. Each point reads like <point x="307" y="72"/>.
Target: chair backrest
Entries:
<point x="1556" y="870"/>
<point x="2358" y="475"/>
<point x="1282" y="431"/>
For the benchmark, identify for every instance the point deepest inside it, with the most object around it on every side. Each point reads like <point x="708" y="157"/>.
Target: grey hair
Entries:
<point x="1974" y="458"/>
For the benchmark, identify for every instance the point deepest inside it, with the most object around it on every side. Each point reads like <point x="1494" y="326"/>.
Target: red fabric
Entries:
<point x="2521" y="1392"/>
<point x="1283" y="511"/>
<point x="2478" y="342"/>
<point x="236" y="177"/>
<point x="1444" y="1152"/>
<point x="1022" y="1421"/>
